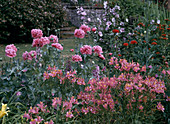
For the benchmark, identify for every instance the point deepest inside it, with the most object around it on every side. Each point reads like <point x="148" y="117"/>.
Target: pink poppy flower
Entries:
<point x="10" y="53"/>
<point x="36" y="33"/>
<point x="79" y="33"/>
<point x="97" y="49"/>
<point x="86" y="49"/>
<point x="53" y="38"/>
<point x="76" y="58"/>
<point x="57" y="45"/>
<point x="85" y="28"/>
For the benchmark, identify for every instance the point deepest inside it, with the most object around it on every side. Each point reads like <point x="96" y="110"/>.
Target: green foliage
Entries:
<point x="18" y="17"/>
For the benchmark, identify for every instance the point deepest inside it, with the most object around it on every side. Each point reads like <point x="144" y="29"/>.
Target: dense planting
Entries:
<point x="117" y="74"/>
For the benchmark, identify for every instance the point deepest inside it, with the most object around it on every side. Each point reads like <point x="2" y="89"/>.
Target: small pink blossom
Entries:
<point x="26" y="115"/>
<point x="110" y="54"/>
<point x="53" y="38"/>
<point x="36" y="33"/>
<point x="163" y="71"/>
<point x="79" y="33"/>
<point x="101" y="56"/>
<point x="76" y="58"/>
<point x="69" y="114"/>
<point x="51" y="122"/>
<point x="18" y="93"/>
<point x="150" y="66"/>
<point x="143" y="68"/>
<point x="57" y="45"/>
<point x="71" y="50"/>
<point x="85" y="28"/>
<point x="160" y="107"/>
<point x="38" y="119"/>
<point x="97" y="49"/>
<point x="140" y="107"/>
<point x="86" y="49"/>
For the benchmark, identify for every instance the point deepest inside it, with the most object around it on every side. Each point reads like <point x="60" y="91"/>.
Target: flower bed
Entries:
<point x="118" y="74"/>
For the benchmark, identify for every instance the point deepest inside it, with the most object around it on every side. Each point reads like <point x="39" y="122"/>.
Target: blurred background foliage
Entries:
<point x="18" y="17"/>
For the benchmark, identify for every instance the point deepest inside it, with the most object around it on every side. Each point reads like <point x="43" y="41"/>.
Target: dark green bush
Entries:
<point x="18" y="17"/>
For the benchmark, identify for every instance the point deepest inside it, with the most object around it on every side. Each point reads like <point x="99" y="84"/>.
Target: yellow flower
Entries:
<point x="3" y="110"/>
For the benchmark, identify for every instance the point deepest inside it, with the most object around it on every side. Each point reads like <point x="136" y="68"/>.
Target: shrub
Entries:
<point x="18" y="17"/>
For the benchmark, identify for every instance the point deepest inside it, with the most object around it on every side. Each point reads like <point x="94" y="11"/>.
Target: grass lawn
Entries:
<point x="67" y="45"/>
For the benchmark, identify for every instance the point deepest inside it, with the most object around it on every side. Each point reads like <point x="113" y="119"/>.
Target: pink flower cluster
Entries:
<point x="76" y="58"/>
<point x="57" y="45"/>
<point x="37" y="111"/>
<point x="97" y="49"/>
<point x="70" y="75"/>
<point x="66" y="105"/>
<point x="124" y="65"/>
<point x="40" y="42"/>
<point x="29" y="55"/>
<point x="11" y="50"/>
<point x="36" y="33"/>
<point x="53" y="38"/>
<point x="85" y="28"/>
<point x="86" y="49"/>
<point x="79" y="33"/>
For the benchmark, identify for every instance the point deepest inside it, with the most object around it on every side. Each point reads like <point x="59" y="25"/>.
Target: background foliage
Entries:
<point x="18" y="17"/>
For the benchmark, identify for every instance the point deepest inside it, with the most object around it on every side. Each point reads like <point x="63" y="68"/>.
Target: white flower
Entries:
<point x="105" y="4"/>
<point x="83" y="13"/>
<point x="100" y="34"/>
<point x="127" y="20"/>
<point x="113" y="19"/>
<point x="158" y="21"/>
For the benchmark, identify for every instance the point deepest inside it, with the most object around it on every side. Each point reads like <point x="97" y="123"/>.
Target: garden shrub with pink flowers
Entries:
<point x="125" y="81"/>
